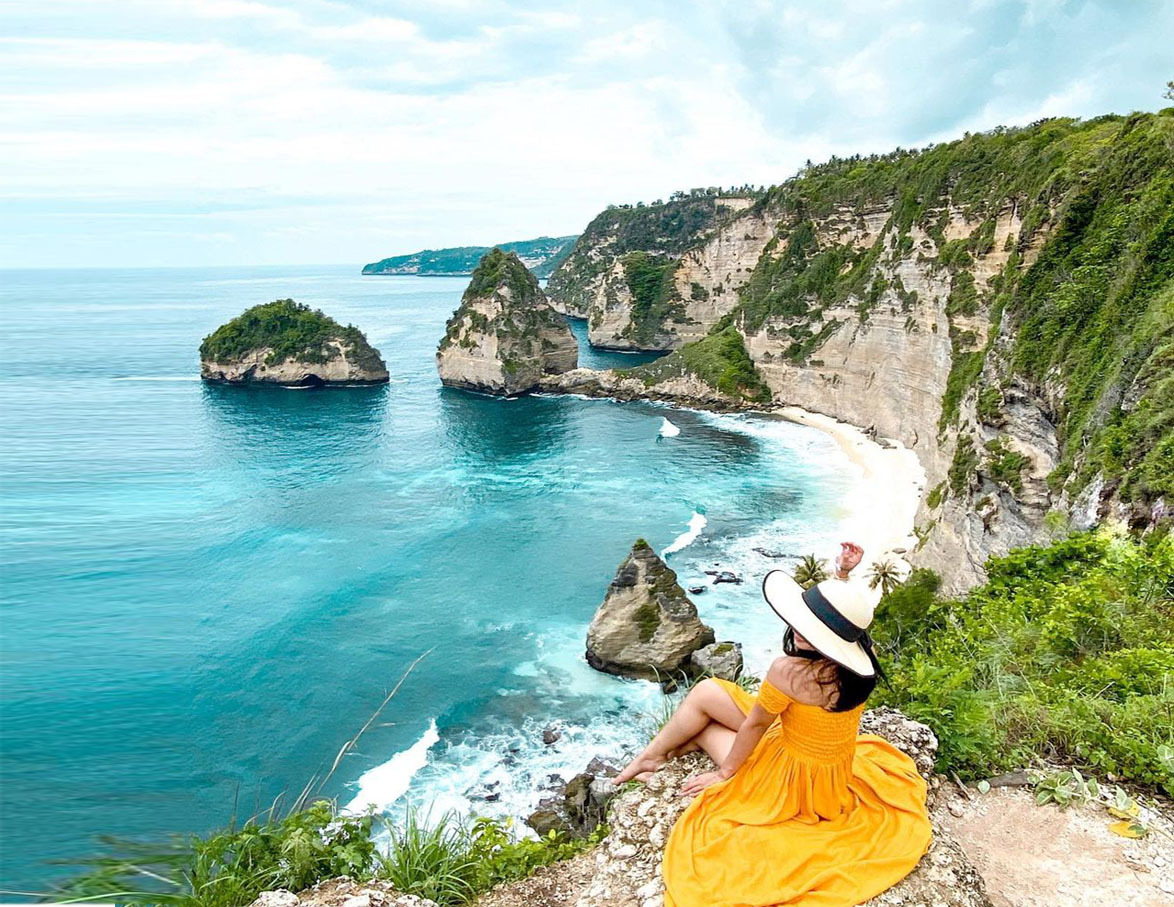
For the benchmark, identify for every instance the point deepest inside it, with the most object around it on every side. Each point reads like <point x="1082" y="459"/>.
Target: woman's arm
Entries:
<point x="753" y="726"/>
<point x="749" y="734"/>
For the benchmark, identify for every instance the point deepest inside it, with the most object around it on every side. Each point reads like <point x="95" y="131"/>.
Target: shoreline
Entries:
<point x="881" y="514"/>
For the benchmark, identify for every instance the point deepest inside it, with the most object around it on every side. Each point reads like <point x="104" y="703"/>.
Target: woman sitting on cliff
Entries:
<point x="802" y="809"/>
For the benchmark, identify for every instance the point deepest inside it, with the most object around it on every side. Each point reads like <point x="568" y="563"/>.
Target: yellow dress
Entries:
<point x="816" y="816"/>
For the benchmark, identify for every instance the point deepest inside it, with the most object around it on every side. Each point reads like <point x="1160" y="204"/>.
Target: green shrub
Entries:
<point x="230" y="867"/>
<point x="988" y="404"/>
<point x="1004" y="465"/>
<point x="451" y="860"/>
<point x="719" y="359"/>
<point x="654" y="294"/>
<point x="1066" y="652"/>
<point x="290" y="330"/>
<point x="962" y="466"/>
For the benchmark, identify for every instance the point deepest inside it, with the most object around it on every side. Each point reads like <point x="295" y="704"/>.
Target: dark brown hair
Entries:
<point x="851" y="689"/>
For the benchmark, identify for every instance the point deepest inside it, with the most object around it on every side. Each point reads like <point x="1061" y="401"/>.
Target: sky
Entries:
<point x="240" y="132"/>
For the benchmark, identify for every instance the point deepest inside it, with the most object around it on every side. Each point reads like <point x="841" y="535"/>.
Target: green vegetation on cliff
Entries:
<point x="499" y="268"/>
<point x="1066" y="652"/>
<point x="719" y="359"/>
<point x="544" y="255"/>
<point x="660" y="230"/>
<point x="527" y="313"/>
<point x="1092" y="317"/>
<point x="291" y="330"/>
<point x="654" y="294"/>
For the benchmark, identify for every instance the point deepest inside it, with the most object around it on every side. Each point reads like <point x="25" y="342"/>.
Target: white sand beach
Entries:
<point x="883" y="506"/>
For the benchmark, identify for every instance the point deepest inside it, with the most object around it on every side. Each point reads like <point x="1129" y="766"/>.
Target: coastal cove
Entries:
<point x="209" y="589"/>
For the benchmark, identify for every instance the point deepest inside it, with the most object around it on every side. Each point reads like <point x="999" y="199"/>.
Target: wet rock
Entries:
<point x="719" y="659"/>
<point x="646" y="627"/>
<point x="696" y="590"/>
<point x="551" y="734"/>
<point x="600" y="766"/>
<point x="580" y="806"/>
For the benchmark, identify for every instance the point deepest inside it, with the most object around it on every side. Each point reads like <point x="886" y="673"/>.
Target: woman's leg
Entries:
<point x="707" y="702"/>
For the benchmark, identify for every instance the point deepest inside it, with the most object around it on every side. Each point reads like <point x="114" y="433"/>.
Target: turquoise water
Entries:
<point x="207" y="590"/>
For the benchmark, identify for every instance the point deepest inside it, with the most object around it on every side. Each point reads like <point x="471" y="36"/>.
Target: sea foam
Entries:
<point x="385" y="783"/>
<point x="689" y="536"/>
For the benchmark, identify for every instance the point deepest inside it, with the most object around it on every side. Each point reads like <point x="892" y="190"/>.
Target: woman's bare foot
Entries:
<point x="640" y="769"/>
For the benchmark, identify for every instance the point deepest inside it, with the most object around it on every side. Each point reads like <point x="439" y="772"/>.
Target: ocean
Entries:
<point x="205" y="591"/>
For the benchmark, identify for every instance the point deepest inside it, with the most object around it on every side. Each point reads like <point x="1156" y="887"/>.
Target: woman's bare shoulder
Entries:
<point x="794" y="677"/>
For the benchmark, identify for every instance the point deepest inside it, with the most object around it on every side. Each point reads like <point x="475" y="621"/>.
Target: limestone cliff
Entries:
<point x="287" y="343"/>
<point x="646" y="626"/>
<point x="504" y="338"/>
<point x="1000" y="304"/>
<point x="634" y="276"/>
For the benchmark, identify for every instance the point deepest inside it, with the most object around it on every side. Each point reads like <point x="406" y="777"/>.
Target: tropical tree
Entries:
<point x="884" y="574"/>
<point x="809" y="571"/>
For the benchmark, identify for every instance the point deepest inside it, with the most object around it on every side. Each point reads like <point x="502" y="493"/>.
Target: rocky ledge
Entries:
<point x="624" y="870"/>
<point x="504" y="338"/>
<point x="684" y="390"/>
<point x="287" y="343"/>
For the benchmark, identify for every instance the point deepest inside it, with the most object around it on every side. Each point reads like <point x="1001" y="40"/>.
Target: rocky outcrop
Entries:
<point x="719" y="659"/>
<point x="580" y="805"/>
<point x="625" y="869"/>
<point x="626" y="267"/>
<point x="290" y="344"/>
<point x="504" y="338"/>
<point x="686" y="390"/>
<point x="342" y="892"/>
<point x="646" y="626"/>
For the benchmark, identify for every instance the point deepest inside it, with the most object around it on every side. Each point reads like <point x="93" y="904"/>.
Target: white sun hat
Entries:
<point x="833" y="616"/>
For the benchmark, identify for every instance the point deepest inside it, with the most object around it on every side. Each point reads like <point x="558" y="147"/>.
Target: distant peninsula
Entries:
<point x="540" y="255"/>
<point x="290" y="344"/>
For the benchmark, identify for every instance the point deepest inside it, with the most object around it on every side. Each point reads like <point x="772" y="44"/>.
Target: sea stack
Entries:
<point x="288" y="343"/>
<point x="646" y="626"/>
<point x="504" y="337"/>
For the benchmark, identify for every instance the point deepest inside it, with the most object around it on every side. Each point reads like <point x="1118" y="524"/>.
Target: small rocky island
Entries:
<point x="287" y="343"/>
<point x="648" y="628"/>
<point x="504" y="337"/>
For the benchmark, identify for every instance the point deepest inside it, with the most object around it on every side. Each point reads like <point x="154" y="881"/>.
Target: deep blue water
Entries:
<point x="207" y="590"/>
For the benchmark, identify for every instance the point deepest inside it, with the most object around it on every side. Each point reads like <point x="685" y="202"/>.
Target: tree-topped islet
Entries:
<point x="289" y="343"/>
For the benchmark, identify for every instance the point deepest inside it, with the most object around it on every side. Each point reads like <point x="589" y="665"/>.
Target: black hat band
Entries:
<point x="830" y="617"/>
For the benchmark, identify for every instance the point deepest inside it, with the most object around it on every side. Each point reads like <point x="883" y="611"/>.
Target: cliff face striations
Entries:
<point x="504" y="338"/>
<point x="635" y="276"/>
<point x="287" y="343"/>
<point x="1002" y="304"/>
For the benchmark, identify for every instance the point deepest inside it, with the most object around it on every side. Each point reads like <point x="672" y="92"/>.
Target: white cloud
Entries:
<point x="325" y="130"/>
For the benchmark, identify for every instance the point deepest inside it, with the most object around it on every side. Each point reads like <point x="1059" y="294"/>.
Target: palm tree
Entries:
<point x="809" y="571"/>
<point x="884" y="574"/>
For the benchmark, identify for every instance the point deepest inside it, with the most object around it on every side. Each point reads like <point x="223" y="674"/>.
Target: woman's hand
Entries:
<point x="849" y="556"/>
<point x="698" y="783"/>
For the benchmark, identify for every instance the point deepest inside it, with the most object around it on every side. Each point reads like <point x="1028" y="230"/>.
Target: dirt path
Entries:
<point x="1042" y="856"/>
